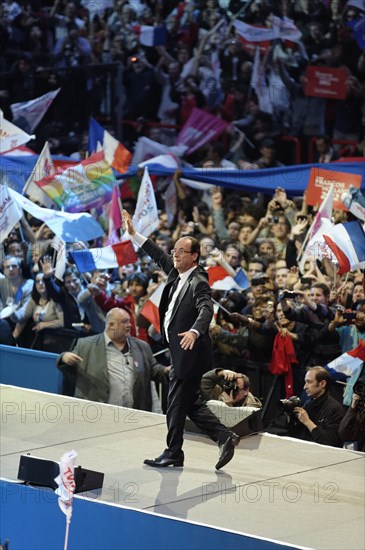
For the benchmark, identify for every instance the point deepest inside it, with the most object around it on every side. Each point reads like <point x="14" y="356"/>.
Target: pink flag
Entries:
<point x="200" y="128"/>
<point x="115" y="217"/>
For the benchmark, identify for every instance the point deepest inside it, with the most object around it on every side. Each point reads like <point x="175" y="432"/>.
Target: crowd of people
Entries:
<point x="305" y="317"/>
<point x="95" y="54"/>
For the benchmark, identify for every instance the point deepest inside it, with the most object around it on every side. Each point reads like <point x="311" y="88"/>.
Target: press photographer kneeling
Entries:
<point x="228" y="396"/>
<point x="318" y="420"/>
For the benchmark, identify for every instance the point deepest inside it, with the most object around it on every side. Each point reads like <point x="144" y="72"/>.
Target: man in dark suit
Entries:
<point x="186" y="310"/>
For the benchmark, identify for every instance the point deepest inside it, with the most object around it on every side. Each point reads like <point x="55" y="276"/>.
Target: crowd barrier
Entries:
<point x="30" y="369"/>
<point x="98" y="525"/>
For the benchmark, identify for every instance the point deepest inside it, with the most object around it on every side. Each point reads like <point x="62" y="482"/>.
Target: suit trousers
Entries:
<point x="184" y="400"/>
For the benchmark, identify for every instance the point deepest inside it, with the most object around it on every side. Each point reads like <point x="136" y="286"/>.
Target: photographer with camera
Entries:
<point x="318" y="419"/>
<point x="233" y="388"/>
<point x="321" y="414"/>
<point x="352" y="427"/>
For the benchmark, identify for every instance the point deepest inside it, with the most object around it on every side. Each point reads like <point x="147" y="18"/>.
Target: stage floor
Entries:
<point x="285" y="490"/>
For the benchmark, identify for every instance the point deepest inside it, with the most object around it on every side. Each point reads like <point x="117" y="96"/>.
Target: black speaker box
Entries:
<point x="41" y="472"/>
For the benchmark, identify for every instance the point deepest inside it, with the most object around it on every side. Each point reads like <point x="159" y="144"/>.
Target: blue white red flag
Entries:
<point x="107" y="257"/>
<point x="347" y="242"/>
<point x="151" y="36"/>
<point x="114" y="152"/>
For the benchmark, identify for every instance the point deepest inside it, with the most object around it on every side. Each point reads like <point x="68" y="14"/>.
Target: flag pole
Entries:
<point x="68" y="521"/>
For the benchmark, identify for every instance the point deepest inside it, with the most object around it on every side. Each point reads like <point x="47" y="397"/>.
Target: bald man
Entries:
<point x="114" y="367"/>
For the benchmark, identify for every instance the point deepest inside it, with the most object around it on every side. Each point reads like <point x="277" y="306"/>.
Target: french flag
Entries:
<point x="151" y="36"/>
<point x="150" y="309"/>
<point x="347" y="242"/>
<point x="349" y="363"/>
<point x="115" y="153"/>
<point x="220" y="279"/>
<point x="107" y="257"/>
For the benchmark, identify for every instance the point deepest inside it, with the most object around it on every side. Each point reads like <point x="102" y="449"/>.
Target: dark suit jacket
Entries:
<point x="92" y="380"/>
<point x="193" y="309"/>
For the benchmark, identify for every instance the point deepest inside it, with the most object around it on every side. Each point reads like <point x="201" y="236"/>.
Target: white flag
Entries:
<point x="145" y="219"/>
<point x="259" y="84"/>
<point x="60" y="246"/>
<point x="28" y="114"/>
<point x="10" y="135"/>
<point x="44" y="167"/>
<point x="10" y="212"/>
<point x="66" y="483"/>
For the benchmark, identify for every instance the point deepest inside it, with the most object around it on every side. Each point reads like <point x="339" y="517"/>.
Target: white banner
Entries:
<point x="10" y="135"/>
<point x="28" y="114"/>
<point x="145" y="219"/>
<point x="44" y="167"/>
<point x="10" y="212"/>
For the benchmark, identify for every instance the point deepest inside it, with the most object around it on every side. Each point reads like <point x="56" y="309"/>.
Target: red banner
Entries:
<point x="326" y="82"/>
<point x="320" y="181"/>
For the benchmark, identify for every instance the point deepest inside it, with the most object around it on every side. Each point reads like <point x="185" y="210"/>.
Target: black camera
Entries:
<point x="288" y="405"/>
<point x="359" y="386"/>
<point x="291" y="294"/>
<point x="230" y="386"/>
<point x="349" y="315"/>
<point x="274" y="219"/>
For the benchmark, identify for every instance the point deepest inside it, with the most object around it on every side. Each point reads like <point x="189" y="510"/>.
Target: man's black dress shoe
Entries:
<point x="164" y="461"/>
<point x="226" y="451"/>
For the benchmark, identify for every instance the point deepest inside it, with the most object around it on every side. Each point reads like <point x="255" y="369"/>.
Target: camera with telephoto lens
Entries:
<point x="230" y="386"/>
<point x="288" y="405"/>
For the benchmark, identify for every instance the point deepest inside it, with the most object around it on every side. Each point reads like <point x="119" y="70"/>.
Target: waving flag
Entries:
<point x="200" y="128"/>
<point x="69" y="227"/>
<point x="150" y="309"/>
<point x="10" y="212"/>
<point x="107" y="257"/>
<point x="114" y="152"/>
<point x="282" y="28"/>
<point x="259" y="84"/>
<point x="349" y="363"/>
<point x="44" y="167"/>
<point x="28" y="114"/>
<point x="115" y="217"/>
<point x="11" y="136"/>
<point x="220" y="279"/>
<point x="322" y="222"/>
<point x="150" y="35"/>
<point x="347" y="242"/>
<point x="81" y="187"/>
<point x="145" y="218"/>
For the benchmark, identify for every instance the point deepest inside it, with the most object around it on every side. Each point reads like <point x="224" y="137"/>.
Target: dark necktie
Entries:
<point x="174" y="287"/>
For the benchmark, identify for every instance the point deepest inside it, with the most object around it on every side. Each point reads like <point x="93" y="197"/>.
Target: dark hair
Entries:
<point x="321" y="374"/>
<point x="71" y="271"/>
<point x="323" y="286"/>
<point x="267" y="142"/>
<point x="195" y="246"/>
<point x="140" y="278"/>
